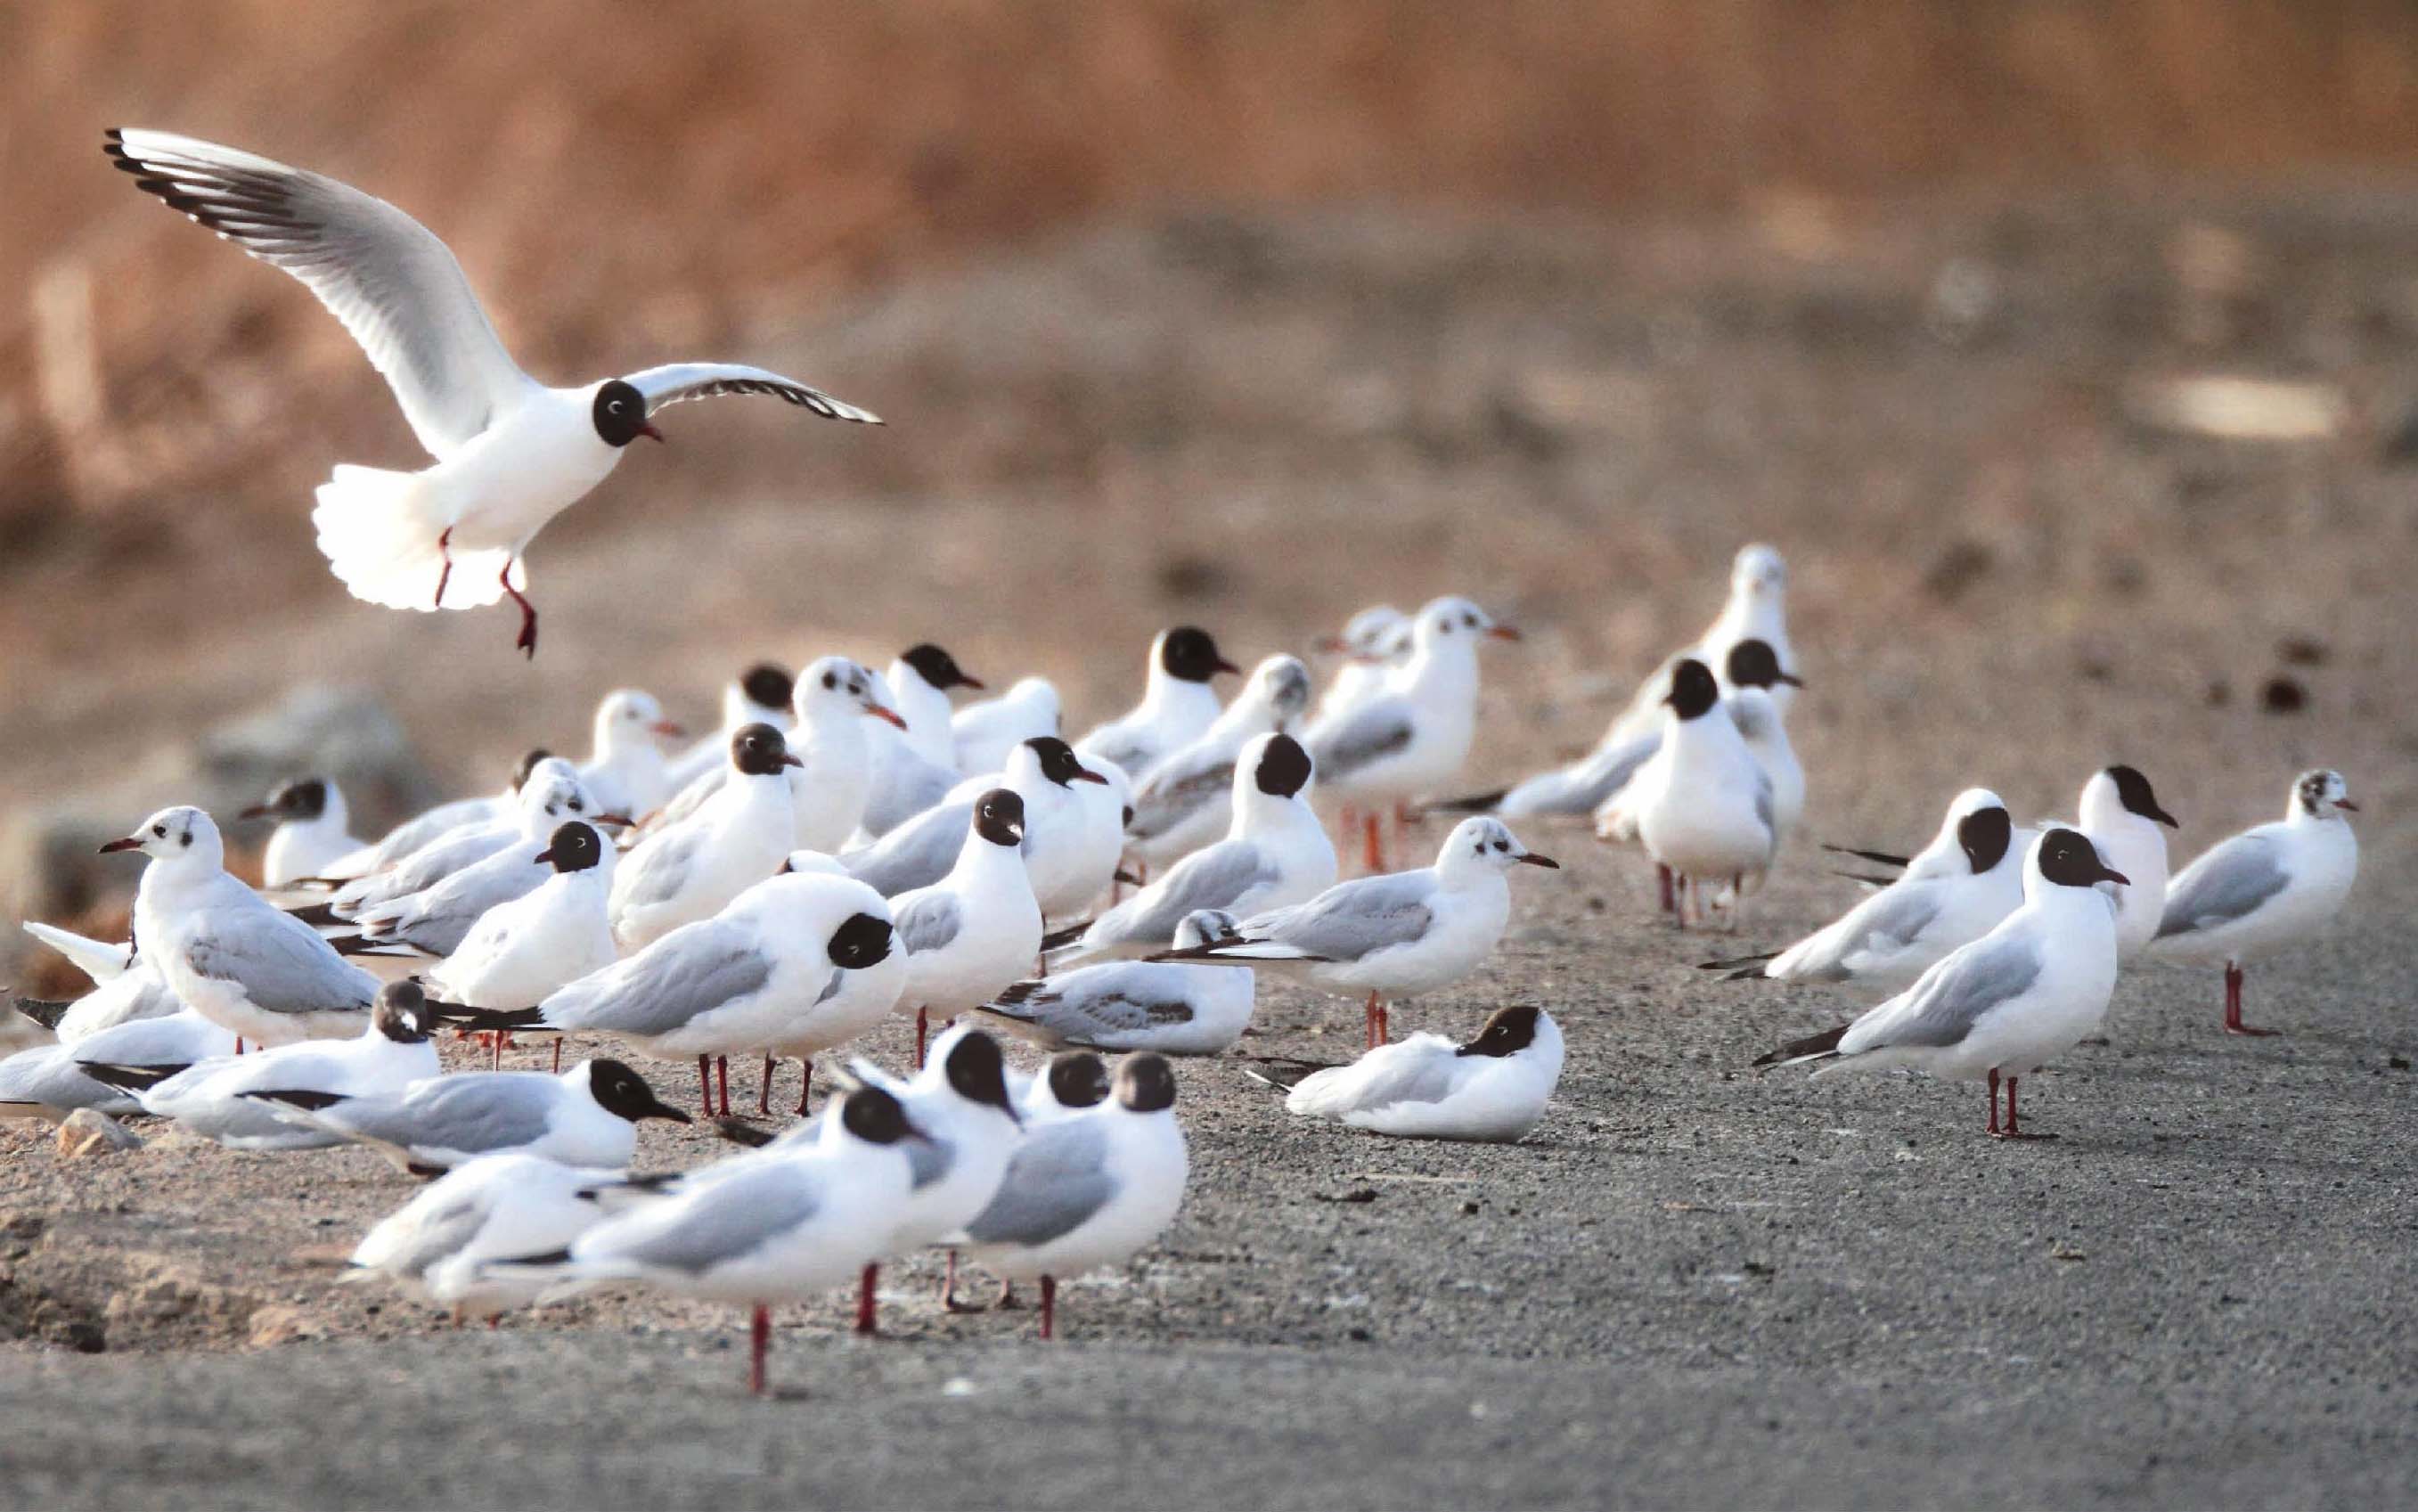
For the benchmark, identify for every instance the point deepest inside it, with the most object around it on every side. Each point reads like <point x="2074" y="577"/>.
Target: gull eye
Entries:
<point x="159" y="830"/>
<point x="1502" y="845"/>
<point x="1469" y="620"/>
<point x="830" y="681"/>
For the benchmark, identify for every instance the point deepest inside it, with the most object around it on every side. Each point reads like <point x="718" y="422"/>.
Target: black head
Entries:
<point x="876" y="1117"/>
<point x="619" y="414"/>
<point x="1059" y="762"/>
<point x="1752" y="664"/>
<point x="2133" y="791"/>
<point x="528" y="764"/>
<point x="1508" y="1033"/>
<point x="758" y="751"/>
<point x="624" y="1093"/>
<point x="304" y="799"/>
<point x="861" y="941"/>
<point x="1982" y="835"/>
<point x="1693" y="691"/>
<point x="1146" y="1084"/>
<point x="978" y="1073"/>
<point x="1078" y="1079"/>
<point x="768" y="686"/>
<point x="2069" y="860"/>
<point x="1188" y="655"/>
<point x="400" y="1013"/>
<point x="936" y="668"/>
<point x="1284" y="767"/>
<point x="999" y="817"/>
<point x="572" y="848"/>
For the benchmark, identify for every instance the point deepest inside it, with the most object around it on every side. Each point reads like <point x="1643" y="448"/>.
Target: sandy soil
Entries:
<point x="1693" y="1285"/>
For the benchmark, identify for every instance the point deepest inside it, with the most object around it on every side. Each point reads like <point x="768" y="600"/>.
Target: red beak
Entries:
<point x="2344" y="802"/>
<point x="650" y="430"/>
<point x="621" y="821"/>
<point x="1504" y="631"/>
<point x="792" y="761"/>
<point x="669" y="727"/>
<point x="965" y="681"/>
<point x="257" y="811"/>
<point x="129" y="843"/>
<point x="882" y="712"/>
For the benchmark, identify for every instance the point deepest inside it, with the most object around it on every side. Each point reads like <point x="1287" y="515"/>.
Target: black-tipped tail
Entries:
<point x="129" y="1078"/>
<point x="1014" y="995"/>
<point x="489" y="1021"/>
<point x="42" y="1011"/>
<point x="308" y="1099"/>
<point x="1811" y="1047"/>
<point x="315" y="914"/>
<point x="1735" y="962"/>
<point x="1473" y="804"/>
<point x="1061" y="938"/>
<point x="1879" y="858"/>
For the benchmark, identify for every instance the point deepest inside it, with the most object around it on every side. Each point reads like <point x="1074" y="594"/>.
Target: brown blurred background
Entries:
<point x="2034" y="329"/>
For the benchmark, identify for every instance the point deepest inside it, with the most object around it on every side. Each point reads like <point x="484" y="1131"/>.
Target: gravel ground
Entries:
<point x="1693" y="1285"/>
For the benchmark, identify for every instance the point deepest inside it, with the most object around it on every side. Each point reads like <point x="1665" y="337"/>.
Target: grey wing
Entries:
<point x="2230" y="882"/>
<point x="1941" y="1009"/>
<point x="438" y="1234"/>
<point x="689" y="972"/>
<point x="1371" y="734"/>
<point x="1057" y="1179"/>
<point x="916" y="854"/>
<point x="929" y="921"/>
<point x="675" y="382"/>
<point x="457" y="903"/>
<point x="732" y="1217"/>
<point x="1211" y="878"/>
<point x="1168" y="796"/>
<point x="1354" y="919"/>
<point x="474" y="1113"/>
<point x="1763" y="804"/>
<point x="658" y="870"/>
<point x="394" y="286"/>
<point x="282" y="965"/>
<point x="1118" y="996"/>
<point x="1890" y="919"/>
<point x="1579" y="788"/>
<point x="1426" y="1078"/>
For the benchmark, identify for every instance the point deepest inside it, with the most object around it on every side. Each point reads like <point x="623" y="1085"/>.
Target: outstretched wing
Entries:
<point x="677" y="381"/>
<point x="387" y="277"/>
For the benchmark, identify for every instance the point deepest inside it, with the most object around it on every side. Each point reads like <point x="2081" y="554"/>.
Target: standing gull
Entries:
<point x="976" y="930"/>
<point x="688" y="868"/>
<point x="1703" y="806"/>
<point x="1183" y="802"/>
<point x="625" y="770"/>
<point x="1177" y="705"/>
<point x="1393" y="936"/>
<point x="226" y="951"/>
<point x="759" y="696"/>
<point x="1061" y="840"/>
<point x="2265" y="888"/>
<point x="983" y="734"/>
<point x="2003" y="1005"/>
<point x="511" y="453"/>
<point x="313" y="834"/>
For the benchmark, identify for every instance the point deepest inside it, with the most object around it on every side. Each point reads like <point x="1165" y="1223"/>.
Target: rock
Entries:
<point x="279" y="1324"/>
<point x="86" y="1132"/>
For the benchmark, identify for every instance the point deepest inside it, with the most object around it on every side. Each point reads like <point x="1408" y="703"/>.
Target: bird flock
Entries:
<point x="854" y="846"/>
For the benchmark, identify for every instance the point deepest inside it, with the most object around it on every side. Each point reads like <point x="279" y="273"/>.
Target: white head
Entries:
<point x="551" y="794"/>
<point x="1377" y="633"/>
<point x="1758" y="572"/>
<point x="629" y="719"/>
<point x="184" y="838"/>
<point x="2121" y="796"/>
<point x="1756" y="716"/>
<point x="1280" y="685"/>
<point x="2321" y="794"/>
<point x="833" y="687"/>
<point x="1204" y="927"/>
<point x="1040" y="695"/>
<point x="1484" y="847"/>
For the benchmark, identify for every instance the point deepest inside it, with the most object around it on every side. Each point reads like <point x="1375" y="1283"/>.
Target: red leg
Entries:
<point x="2014" y="1129"/>
<point x="760" y="1334"/>
<point x="1669" y="895"/>
<point x="764" y="1089"/>
<point x="1369" y="1023"/>
<point x="865" y="1299"/>
<point x="1384" y="1024"/>
<point x="2233" y="1024"/>
<point x="1373" y="832"/>
<point x="557" y="1055"/>
<point x="949" y="1302"/>
<point x="1994" y="1102"/>
<point x="1005" y="1300"/>
<point x="705" y="1085"/>
<point x="495" y="1321"/>
<point x="722" y="1082"/>
<point x="1048" y="1305"/>
<point x="805" y="1079"/>
<point x="238" y="1044"/>
<point x="921" y="1020"/>
<point x="444" y="549"/>
<point x="526" y="643"/>
<point x="1347" y="819"/>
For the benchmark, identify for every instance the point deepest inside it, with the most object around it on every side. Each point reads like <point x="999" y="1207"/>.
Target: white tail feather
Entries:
<point x="95" y="958"/>
<point x="380" y="530"/>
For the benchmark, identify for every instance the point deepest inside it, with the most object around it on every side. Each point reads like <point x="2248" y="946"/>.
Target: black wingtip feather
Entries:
<point x="308" y="1099"/>
<point x="42" y="1011"/>
<point x="315" y="913"/>
<point x="1061" y="938"/>
<point x="1826" y="1042"/>
<point x="1736" y="961"/>
<point x="1473" y="804"/>
<point x="126" y="1078"/>
<point x="487" y="1020"/>
<point x="1879" y="858"/>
